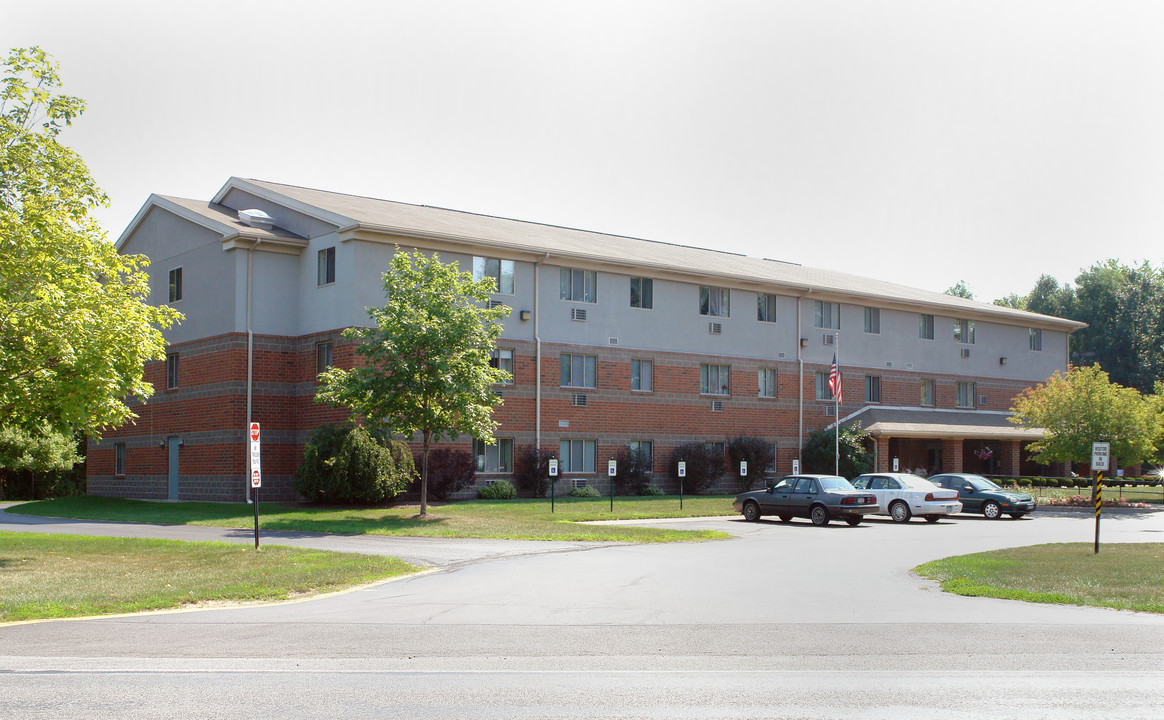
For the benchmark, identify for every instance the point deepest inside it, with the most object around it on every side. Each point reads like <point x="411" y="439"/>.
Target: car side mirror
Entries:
<point x="967" y="489"/>
<point x="771" y="488"/>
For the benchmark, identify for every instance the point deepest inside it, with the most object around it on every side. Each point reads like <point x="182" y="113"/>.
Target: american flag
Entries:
<point x="835" y="379"/>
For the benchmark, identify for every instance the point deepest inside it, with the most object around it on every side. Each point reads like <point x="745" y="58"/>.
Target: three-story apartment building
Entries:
<point x="612" y="342"/>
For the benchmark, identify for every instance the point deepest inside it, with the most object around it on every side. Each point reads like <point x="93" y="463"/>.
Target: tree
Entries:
<point x="426" y="366"/>
<point x="350" y="464"/>
<point x="532" y="469"/>
<point x="75" y="329"/>
<point x="704" y="466"/>
<point x="959" y="289"/>
<point x="36" y="451"/>
<point x="632" y="471"/>
<point x="758" y="453"/>
<point x="820" y="452"/>
<point x="1083" y="406"/>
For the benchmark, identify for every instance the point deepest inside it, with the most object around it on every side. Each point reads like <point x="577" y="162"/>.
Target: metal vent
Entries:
<point x="578" y="314"/>
<point x="498" y="393"/>
<point x="830" y="410"/>
<point x="717" y="405"/>
<point x="495" y="304"/>
<point x="612" y="341"/>
<point x="578" y="400"/>
<point x="965" y="353"/>
<point x="888" y="363"/>
<point x="830" y="339"/>
<point x="256" y="219"/>
<point x="578" y="483"/>
<point x="779" y="355"/>
<point x="981" y="400"/>
<point x="715" y="328"/>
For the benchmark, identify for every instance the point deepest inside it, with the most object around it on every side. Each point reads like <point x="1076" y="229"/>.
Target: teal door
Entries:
<point x="172" y="472"/>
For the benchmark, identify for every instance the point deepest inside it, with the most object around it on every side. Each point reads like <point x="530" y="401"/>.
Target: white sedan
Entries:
<point x="901" y="496"/>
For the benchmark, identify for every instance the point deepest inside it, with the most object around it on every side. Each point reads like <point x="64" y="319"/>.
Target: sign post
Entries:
<point x="553" y="480"/>
<point x="795" y="466"/>
<point x="1100" y="462"/>
<point x="743" y="474"/>
<point x="682" y="474"/>
<point x="256" y="475"/>
<point x="611" y="471"/>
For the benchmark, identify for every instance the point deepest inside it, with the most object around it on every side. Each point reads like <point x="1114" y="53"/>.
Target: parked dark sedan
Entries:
<point x="979" y="494"/>
<point x="817" y="497"/>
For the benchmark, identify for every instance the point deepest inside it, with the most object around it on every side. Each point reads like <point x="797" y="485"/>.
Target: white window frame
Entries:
<point x="766" y="307"/>
<point x="495" y="457"/>
<point x="119" y="459"/>
<point x="1036" y="339"/>
<point x="325" y="267"/>
<point x="502" y="272"/>
<point x="642" y="375"/>
<point x="960" y="393"/>
<point x="830" y="319"/>
<point x="175" y="285"/>
<point x="715" y="379"/>
<point x="714" y="301"/>
<point x="964" y="331"/>
<point x="873" y="320"/>
<point x="925" y="326"/>
<point x="324" y="356"/>
<point x="768" y="380"/>
<point x="172" y="377"/>
<point x="578" y="285"/>
<point x="930" y="385"/>
<point x="568" y="451"/>
<point x="589" y="369"/>
<point x="645" y="294"/>
<point x="647" y="447"/>
<point x="823" y="391"/>
<point x="873" y="389"/>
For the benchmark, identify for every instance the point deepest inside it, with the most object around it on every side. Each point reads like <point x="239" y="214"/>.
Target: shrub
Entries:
<point x="1023" y="482"/>
<point x="818" y="453"/>
<point x="532" y="470"/>
<point x="449" y="471"/>
<point x="634" y="472"/>
<point x="585" y="491"/>
<point x="653" y="490"/>
<point x="704" y="466"/>
<point x="498" y="490"/>
<point x="758" y="453"/>
<point x="346" y="464"/>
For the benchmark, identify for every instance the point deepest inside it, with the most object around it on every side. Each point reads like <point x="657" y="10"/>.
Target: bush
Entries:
<point x="346" y="464"/>
<point x="586" y="491"/>
<point x="819" y="451"/>
<point x="634" y="472"/>
<point x="653" y="490"/>
<point x="532" y="470"/>
<point x="704" y="466"/>
<point x="758" y="453"/>
<point x="498" y="490"/>
<point x="449" y="471"/>
<point x="1023" y="482"/>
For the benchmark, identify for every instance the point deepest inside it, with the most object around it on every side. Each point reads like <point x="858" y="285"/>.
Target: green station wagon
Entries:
<point x="979" y="494"/>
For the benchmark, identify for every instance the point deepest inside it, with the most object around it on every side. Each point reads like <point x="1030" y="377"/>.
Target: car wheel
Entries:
<point x="991" y="510"/>
<point x="785" y="518"/>
<point x="899" y="511"/>
<point x="751" y="511"/>
<point x="854" y="521"/>
<point x="819" y="515"/>
<point x="1016" y="516"/>
<point x="933" y="518"/>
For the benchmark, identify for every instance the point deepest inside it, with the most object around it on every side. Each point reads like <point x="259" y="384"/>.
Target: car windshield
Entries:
<point x="836" y="483"/>
<point x="981" y="483"/>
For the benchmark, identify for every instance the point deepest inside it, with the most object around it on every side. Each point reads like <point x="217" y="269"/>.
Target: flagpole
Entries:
<point x="837" y="408"/>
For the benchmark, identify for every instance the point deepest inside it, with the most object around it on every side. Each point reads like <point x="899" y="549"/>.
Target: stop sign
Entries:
<point x="254" y="432"/>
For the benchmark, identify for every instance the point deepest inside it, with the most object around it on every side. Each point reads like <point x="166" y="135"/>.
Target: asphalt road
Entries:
<point x="782" y="621"/>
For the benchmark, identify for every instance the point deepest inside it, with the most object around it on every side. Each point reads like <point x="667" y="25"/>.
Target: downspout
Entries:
<point x="250" y="370"/>
<point x="800" y="393"/>
<point x="538" y="354"/>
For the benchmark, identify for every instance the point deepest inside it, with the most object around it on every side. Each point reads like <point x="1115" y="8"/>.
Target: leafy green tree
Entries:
<point x="75" y="329"/>
<point x="1083" y="406"/>
<point x="959" y="289"/>
<point x="820" y="452"/>
<point x="426" y="363"/>
<point x="35" y="451"/>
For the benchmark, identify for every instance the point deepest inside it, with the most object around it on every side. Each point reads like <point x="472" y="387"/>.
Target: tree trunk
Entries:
<point x="424" y="474"/>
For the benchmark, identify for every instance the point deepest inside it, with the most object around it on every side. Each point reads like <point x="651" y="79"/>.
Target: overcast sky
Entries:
<point x="922" y="142"/>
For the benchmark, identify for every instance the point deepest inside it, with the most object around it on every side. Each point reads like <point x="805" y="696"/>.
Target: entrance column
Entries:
<point x="1009" y="458"/>
<point x="883" y="459"/>
<point x="951" y="455"/>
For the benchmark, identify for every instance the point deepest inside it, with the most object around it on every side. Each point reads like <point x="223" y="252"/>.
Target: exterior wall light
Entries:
<point x="525" y="314"/>
<point x="1002" y="361"/>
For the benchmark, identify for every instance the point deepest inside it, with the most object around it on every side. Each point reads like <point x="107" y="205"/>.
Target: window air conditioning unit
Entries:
<point x="578" y="483"/>
<point x="612" y="341"/>
<point x="830" y="339"/>
<point x="715" y="328"/>
<point x="578" y="314"/>
<point x="981" y="400"/>
<point x="717" y="405"/>
<point x="578" y="400"/>
<point x="495" y="304"/>
<point x="830" y="410"/>
<point x="965" y="353"/>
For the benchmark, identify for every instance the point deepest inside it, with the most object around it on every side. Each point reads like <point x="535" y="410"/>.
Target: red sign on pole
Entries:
<point x="254" y="432"/>
<point x="256" y="478"/>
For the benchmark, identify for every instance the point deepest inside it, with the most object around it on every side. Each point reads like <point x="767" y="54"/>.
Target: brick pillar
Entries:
<point x="883" y="459"/>
<point x="1008" y="459"/>
<point x="951" y="455"/>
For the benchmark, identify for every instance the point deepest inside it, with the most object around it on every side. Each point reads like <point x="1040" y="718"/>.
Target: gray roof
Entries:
<point x="569" y="243"/>
<point x="938" y="422"/>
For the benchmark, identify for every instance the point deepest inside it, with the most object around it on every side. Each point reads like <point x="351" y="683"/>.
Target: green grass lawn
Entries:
<point x="1126" y="576"/>
<point x="512" y="519"/>
<point x="61" y="576"/>
<point x="1153" y="495"/>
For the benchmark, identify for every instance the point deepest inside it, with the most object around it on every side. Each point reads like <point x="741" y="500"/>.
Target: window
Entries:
<point x="642" y="293"/>
<point x="171" y="371"/>
<point x="502" y="359"/>
<point x="827" y="314"/>
<point x="964" y="331"/>
<point x="322" y="356"/>
<point x="495" y="458"/>
<point x="925" y="326"/>
<point x="927" y="392"/>
<point x="873" y="321"/>
<point x="175" y="284"/>
<point x="823" y="392"/>
<point x="500" y="270"/>
<point x="766" y="308"/>
<point x="965" y="396"/>
<point x="715" y="379"/>
<point x="642" y="375"/>
<point x="717" y="448"/>
<point x="577" y="455"/>
<point x="872" y="389"/>
<point x="767" y="379"/>
<point x="1036" y="339"/>
<point x="579" y="371"/>
<point x="119" y="459"/>
<point x="646" y="449"/>
<point x="714" y="301"/>
<point x="326" y="266"/>
<point x="579" y="285"/>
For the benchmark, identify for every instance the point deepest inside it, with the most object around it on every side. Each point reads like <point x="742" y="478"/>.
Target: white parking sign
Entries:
<point x="1100" y="455"/>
